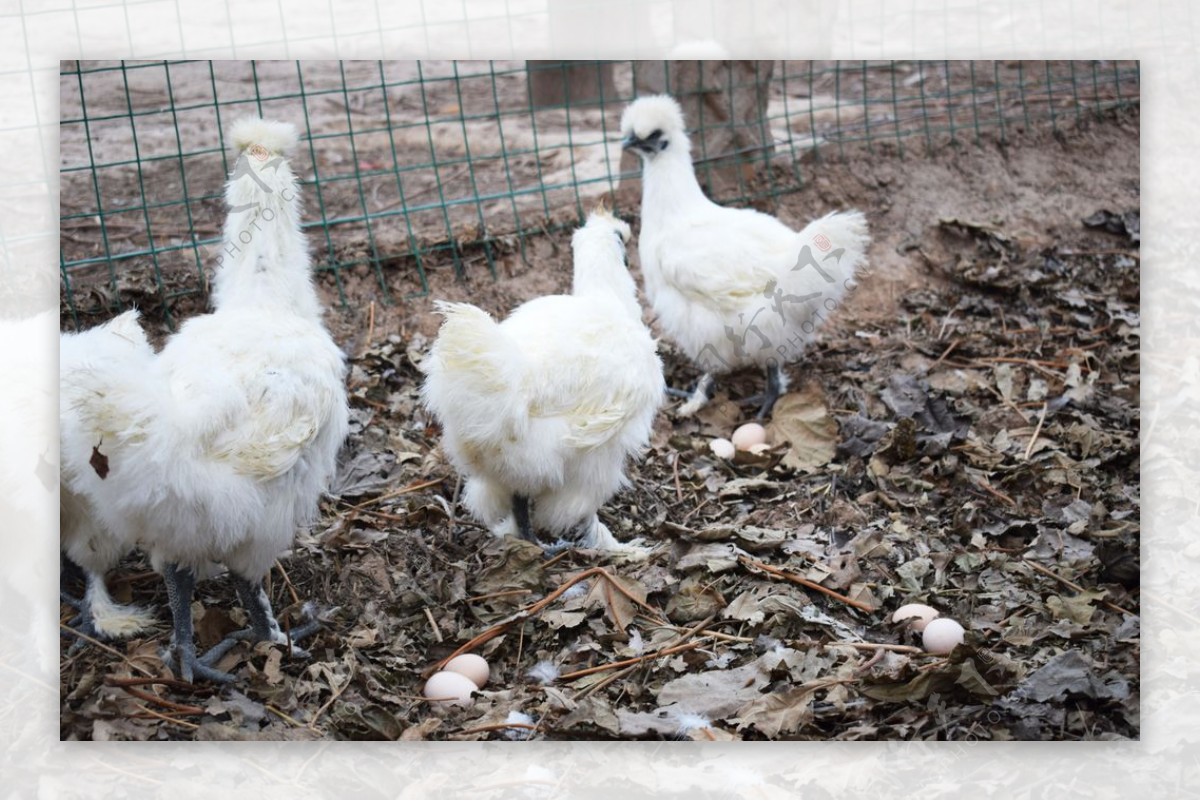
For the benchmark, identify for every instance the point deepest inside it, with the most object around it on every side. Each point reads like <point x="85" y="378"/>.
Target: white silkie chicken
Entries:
<point x="93" y="368"/>
<point x="218" y="449"/>
<point x="28" y="469"/>
<point x="732" y="287"/>
<point x="541" y="412"/>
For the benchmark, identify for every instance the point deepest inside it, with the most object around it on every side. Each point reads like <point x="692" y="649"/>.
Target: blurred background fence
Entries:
<point x="416" y="166"/>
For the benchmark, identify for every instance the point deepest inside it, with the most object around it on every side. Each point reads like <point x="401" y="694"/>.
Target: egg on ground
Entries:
<point x="722" y="447"/>
<point x="445" y="688"/>
<point x="473" y="666"/>
<point x="748" y="435"/>
<point x="941" y="635"/>
<point x="916" y="616"/>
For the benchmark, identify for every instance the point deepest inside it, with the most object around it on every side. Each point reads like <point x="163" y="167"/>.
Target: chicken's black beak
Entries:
<point x="644" y="145"/>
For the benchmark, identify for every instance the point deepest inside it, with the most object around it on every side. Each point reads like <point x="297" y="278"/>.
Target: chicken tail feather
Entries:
<point x="833" y="250"/>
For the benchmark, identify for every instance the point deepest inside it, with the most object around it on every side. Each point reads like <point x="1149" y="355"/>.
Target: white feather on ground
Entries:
<point x="732" y="287"/>
<point x="550" y="403"/>
<point x="220" y="447"/>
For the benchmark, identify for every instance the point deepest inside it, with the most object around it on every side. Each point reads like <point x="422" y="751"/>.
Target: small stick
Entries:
<point x="1030" y="362"/>
<point x="450" y="521"/>
<point x="437" y="633"/>
<point x="104" y="647"/>
<point x="283" y="715"/>
<point x="372" y="403"/>
<point x="560" y="555"/>
<point x="687" y="646"/>
<point x="983" y="484"/>
<point x="370" y="323"/>
<point x="534" y="608"/>
<point x="720" y="635"/>
<point x="876" y="646"/>
<point x="946" y="322"/>
<point x="803" y="582"/>
<point x="398" y="492"/>
<point x="501" y="594"/>
<point x="945" y="353"/>
<point x="1076" y="587"/>
<point x="1036" y="431"/>
<point x="520" y="644"/>
<point x="862" y="669"/>
<point x="675" y="471"/>
<point x="183" y="709"/>
<point x="287" y="581"/>
<point x="692" y="513"/>
<point x="312" y="724"/>
<point x="934" y="664"/>
<point x="600" y="685"/>
<point x="135" y="681"/>
<point x="185" y="724"/>
<point x="500" y="727"/>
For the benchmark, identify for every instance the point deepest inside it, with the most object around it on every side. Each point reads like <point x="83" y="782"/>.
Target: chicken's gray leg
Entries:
<point x="85" y="621"/>
<point x="776" y="384"/>
<point x="181" y="583"/>
<point x="264" y="627"/>
<point x="700" y="396"/>
<point x="521" y="514"/>
<point x="68" y="571"/>
<point x="687" y="393"/>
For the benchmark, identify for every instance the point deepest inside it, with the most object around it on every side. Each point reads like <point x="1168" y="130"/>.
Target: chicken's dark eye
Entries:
<point x="657" y="132"/>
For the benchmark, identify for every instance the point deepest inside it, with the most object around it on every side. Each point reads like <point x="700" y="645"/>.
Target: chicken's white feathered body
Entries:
<point x="219" y="447"/>
<point x="550" y="403"/>
<point x="732" y="287"/>
<point x="100" y="372"/>
<point x="729" y="286"/>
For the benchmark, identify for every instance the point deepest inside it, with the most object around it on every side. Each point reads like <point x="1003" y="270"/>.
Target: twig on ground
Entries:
<point x="1047" y="571"/>
<point x="396" y="493"/>
<point x="803" y="582"/>
<point x="107" y="648"/>
<point x="182" y="709"/>
<point x="532" y="609"/>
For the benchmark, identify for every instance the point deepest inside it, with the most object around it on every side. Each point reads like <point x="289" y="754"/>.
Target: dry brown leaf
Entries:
<point x="803" y="420"/>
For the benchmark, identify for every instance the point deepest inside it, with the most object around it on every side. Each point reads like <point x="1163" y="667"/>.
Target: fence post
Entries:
<point x="556" y="83"/>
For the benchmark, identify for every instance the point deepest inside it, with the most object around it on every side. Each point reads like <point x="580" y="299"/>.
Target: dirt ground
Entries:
<point x="964" y="434"/>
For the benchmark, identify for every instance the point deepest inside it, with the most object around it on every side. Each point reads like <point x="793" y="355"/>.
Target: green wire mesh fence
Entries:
<point x="416" y="166"/>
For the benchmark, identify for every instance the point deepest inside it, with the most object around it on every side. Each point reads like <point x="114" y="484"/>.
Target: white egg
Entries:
<point x="748" y="436"/>
<point x="473" y="666"/>
<point x="941" y="635"/>
<point x="449" y="689"/>
<point x="917" y="615"/>
<point x="722" y="448"/>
